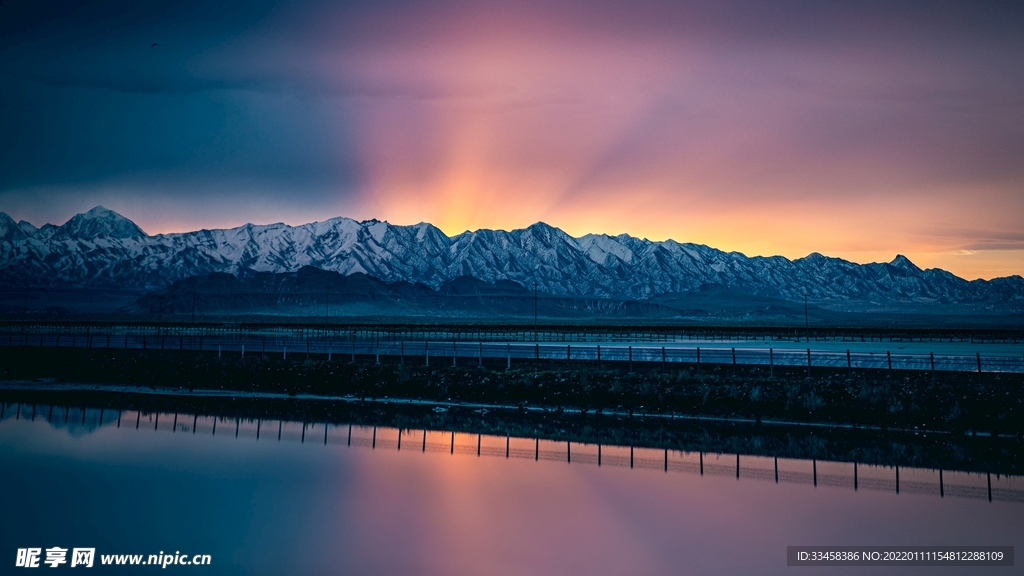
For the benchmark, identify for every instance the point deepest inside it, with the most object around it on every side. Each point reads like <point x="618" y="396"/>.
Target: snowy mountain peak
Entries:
<point x="99" y="222"/>
<point x="599" y="247"/>
<point x="594" y="265"/>
<point x="28" y="228"/>
<point x="9" y="229"/>
<point x="377" y="230"/>
<point x="904" y="263"/>
<point x="543" y="229"/>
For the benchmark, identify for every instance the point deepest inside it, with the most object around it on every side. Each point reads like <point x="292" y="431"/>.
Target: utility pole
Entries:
<point x="807" y="321"/>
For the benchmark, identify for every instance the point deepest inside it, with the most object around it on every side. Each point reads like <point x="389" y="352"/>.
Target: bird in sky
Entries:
<point x="154" y="45"/>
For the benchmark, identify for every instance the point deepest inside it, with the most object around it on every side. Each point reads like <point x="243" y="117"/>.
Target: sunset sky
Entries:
<point x="854" y="129"/>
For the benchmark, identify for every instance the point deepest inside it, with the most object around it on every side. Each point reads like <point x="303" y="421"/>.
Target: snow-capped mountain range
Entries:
<point x="101" y="248"/>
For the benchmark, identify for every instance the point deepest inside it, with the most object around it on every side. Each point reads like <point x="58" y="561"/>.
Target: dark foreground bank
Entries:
<point x="958" y="403"/>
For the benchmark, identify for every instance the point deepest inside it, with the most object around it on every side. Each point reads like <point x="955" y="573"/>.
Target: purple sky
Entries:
<point x="858" y="130"/>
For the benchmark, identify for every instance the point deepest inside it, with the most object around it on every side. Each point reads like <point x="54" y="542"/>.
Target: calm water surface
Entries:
<point x="365" y="506"/>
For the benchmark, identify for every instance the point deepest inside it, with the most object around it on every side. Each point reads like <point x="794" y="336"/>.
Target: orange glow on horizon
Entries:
<point x="654" y="123"/>
<point x="646" y="139"/>
<point x="863" y="235"/>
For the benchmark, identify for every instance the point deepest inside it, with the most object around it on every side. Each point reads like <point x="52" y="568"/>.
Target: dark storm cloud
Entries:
<point x="88" y="99"/>
<point x="65" y="64"/>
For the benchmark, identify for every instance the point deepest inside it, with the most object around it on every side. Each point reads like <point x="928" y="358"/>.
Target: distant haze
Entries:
<point x="858" y="130"/>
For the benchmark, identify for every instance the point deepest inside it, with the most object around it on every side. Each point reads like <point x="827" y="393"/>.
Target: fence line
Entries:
<point x="456" y="352"/>
<point x="721" y="465"/>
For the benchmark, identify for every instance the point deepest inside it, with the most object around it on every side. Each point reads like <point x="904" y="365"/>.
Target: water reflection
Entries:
<point x="282" y="496"/>
<point x="936" y="482"/>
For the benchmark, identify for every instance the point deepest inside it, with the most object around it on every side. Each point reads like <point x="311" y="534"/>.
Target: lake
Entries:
<point x="286" y="497"/>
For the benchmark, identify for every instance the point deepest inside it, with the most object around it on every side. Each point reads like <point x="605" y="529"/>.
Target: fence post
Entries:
<point x="426" y="351"/>
<point x="931" y="356"/>
<point x="808" y="362"/>
<point x="733" y="356"/>
<point x="508" y="360"/>
<point x="888" y="357"/>
<point x="978" y="355"/>
<point x="630" y="358"/>
<point x="402" y="360"/>
<point x="598" y="355"/>
<point x="455" y="353"/>
<point x="849" y="363"/>
<point x="698" y="359"/>
<point x="771" y="363"/>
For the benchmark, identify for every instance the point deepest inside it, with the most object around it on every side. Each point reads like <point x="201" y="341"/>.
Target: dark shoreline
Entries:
<point x="968" y="422"/>
<point x="957" y="403"/>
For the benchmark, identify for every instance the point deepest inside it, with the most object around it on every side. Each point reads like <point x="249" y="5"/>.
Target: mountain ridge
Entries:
<point x="311" y="292"/>
<point x="102" y="248"/>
